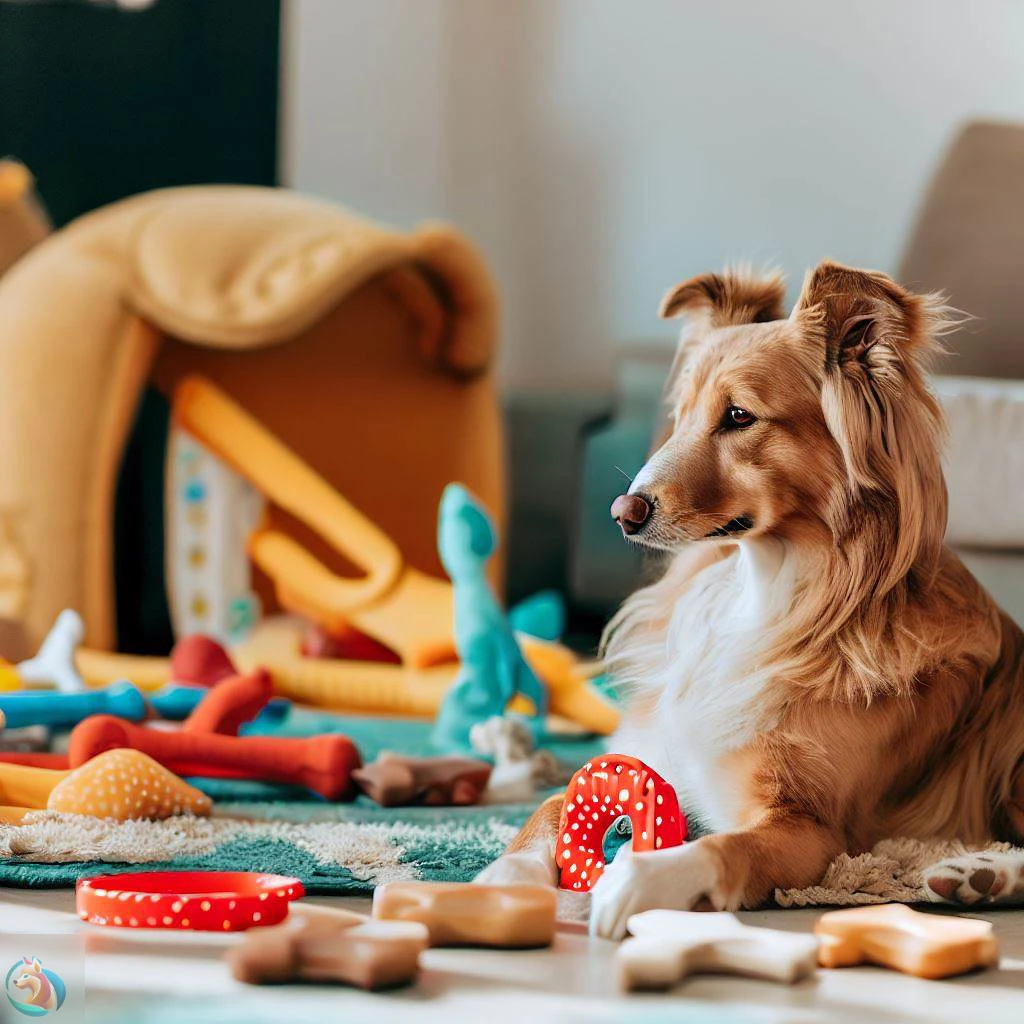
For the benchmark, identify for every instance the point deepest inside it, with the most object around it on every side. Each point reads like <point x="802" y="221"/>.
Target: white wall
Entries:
<point x="363" y="104"/>
<point x="600" y="151"/>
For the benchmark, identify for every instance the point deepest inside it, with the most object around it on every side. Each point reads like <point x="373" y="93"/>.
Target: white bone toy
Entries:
<point x="54" y="664"/>
<point x="670" y="945"/>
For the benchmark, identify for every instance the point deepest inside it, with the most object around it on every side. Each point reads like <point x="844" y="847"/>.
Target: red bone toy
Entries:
<point x="231" y="703"/>
<point x="323" y="764"/>
<point x="604" y="790"/>
<point x="225" y="709"/>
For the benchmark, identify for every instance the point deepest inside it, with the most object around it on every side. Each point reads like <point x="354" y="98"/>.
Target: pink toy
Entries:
<point x="200" y="660"/>
<point x="604" y="791"/>
<point x="348" y="643"/>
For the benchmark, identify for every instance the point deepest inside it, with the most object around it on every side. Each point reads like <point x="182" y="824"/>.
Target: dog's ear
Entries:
<point x="732" y="297"/>
<point x="869" y="324"/>
<point x="877" y="405"/>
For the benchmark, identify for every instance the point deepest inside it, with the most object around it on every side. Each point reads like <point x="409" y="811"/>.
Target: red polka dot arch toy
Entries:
<point x="610" y="800"/>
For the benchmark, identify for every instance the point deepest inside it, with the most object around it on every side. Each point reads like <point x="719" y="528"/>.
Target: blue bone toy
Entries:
<point x="65" y="710"/>
<point x="492" y="669"/>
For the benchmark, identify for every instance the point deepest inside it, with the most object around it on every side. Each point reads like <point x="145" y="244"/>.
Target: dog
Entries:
<point x="815" y="670"/>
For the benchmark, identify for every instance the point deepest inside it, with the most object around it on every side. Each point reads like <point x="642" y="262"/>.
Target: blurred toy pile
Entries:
<point x="128" y="745"/>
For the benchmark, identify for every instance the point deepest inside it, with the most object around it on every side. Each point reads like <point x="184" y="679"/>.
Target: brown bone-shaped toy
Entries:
<point x="670" y="945"/>
<point x="466" y="914"/>
<point x="395" y="781"/>
<point x="318" y="944"/>
<point x="926" y="945"/>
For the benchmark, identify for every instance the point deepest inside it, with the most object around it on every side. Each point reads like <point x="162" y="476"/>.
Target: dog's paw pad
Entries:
<point x="986" y="882"/>
<point x="977" y="879"/>
<point x="945" y="888"/>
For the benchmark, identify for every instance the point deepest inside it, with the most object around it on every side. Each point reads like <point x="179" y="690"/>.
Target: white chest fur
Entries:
<point x="713" y="680"/>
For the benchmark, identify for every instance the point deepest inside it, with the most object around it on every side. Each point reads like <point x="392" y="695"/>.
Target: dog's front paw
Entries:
<point x="674" y="879"/>
<point x="977" y="878"/>
<point x="524" y="867"/>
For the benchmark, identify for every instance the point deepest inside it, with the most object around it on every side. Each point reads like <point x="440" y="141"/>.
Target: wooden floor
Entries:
<point x="157" y="977"/>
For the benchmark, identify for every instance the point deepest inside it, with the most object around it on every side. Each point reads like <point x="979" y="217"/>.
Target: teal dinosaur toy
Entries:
<point x="492" y="669"/>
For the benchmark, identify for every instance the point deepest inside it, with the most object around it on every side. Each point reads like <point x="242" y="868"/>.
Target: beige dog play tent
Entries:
<point x="365" y="351"/>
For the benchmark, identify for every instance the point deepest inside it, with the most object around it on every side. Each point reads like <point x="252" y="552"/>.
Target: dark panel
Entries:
<point x="102" y="103"/>
<point x="143" y="615"/>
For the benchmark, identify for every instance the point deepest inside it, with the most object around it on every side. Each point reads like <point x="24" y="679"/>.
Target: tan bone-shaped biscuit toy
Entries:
<point x="670" y="945"/>
<point x="466" y="914"/>
<point x="318" y="944"/>
<point x="926" y="945"/>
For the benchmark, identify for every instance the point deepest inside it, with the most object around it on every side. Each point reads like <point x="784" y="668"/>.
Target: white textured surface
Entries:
<point x="206" y="558"/>
<point x="984" y="460"/>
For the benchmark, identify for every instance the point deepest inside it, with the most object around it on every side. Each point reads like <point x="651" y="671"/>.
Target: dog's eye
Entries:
<point x="737" y="417"/>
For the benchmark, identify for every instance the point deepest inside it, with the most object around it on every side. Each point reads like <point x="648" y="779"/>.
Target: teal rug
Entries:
<point x="338" y="849"/>
<point x="338" y="857"/>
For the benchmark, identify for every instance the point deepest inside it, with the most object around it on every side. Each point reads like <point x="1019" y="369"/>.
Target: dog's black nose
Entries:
<point x="631" y="511"/>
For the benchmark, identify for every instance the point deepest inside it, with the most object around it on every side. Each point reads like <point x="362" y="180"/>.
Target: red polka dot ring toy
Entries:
<point x="202" y="901"/>
<point x="611" y="800"/>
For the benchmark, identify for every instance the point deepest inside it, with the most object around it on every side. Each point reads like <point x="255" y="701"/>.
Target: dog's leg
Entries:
<point x="731" y="870"/>
<point x="531" y="855"/>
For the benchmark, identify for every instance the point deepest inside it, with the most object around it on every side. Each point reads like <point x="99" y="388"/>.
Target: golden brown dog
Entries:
<point x="815" y="670"/>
